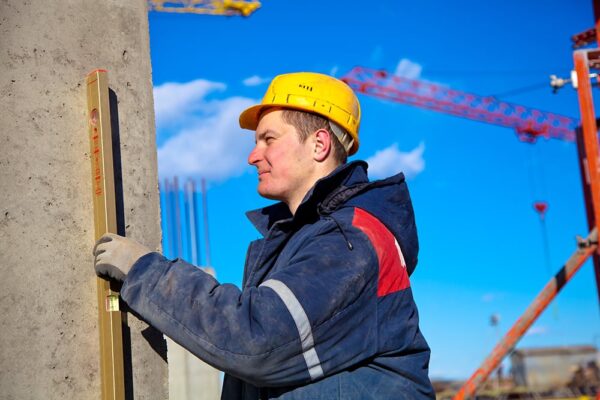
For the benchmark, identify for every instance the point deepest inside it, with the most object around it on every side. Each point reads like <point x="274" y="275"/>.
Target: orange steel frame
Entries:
<point x="589" y="161"/>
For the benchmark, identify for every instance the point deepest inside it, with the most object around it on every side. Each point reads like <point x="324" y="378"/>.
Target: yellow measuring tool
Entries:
<point x="105" y="220"/>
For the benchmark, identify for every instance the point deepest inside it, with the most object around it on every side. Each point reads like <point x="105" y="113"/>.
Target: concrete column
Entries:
<point x="48" y="319"/>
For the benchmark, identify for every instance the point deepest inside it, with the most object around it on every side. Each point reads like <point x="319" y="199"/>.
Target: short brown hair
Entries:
<point x="307" y="123"/>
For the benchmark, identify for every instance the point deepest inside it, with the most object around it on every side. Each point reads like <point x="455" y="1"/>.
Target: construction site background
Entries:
<point x="567" y="372"/>
<point x="49" y="313"/>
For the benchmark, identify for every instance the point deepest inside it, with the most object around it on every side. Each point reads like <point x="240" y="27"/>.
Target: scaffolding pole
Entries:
<point x="589" y="140"/>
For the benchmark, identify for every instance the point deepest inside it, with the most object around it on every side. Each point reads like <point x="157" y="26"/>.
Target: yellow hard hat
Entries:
<point x="312" y="92"/>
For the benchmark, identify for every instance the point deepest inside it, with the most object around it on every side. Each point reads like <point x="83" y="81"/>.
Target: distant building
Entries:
<point x="550" y="367"/>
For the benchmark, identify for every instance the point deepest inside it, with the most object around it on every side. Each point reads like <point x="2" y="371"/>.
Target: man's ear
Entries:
<point x="322" y="141"/>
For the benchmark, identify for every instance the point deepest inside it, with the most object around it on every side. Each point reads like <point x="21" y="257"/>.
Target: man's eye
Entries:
<point x="269" y="139"/>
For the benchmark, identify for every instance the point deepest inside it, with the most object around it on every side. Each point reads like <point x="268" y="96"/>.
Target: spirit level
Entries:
<point x="105" y="220"/>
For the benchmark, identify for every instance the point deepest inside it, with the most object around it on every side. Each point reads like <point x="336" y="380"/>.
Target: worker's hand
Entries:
<point x="115" y="255"/>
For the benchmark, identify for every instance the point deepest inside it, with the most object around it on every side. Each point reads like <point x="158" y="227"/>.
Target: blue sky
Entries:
<point x="472" y="184"/>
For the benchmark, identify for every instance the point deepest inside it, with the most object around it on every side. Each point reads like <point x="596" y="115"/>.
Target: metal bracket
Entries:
<point x="584" y="38"/>
<point x="584" y="243"/>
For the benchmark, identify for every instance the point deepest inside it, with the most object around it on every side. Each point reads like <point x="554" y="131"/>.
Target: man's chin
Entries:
<point x="268" y="194"/>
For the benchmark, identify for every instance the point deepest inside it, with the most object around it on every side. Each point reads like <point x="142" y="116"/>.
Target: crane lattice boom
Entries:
<point x="210" y="7"/>
<point x="528" y="122"/>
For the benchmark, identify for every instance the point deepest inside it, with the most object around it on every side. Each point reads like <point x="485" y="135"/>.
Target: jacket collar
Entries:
<point x="343" y="177"/>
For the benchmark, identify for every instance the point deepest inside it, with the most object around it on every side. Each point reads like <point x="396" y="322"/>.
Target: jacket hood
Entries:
<point x="348" y="186"/>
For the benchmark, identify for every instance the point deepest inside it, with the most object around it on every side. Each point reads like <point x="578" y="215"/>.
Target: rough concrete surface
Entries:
<point x="48" y="335"/>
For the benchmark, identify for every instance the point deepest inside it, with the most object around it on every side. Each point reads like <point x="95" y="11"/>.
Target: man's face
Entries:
<point x="284" y="164"/>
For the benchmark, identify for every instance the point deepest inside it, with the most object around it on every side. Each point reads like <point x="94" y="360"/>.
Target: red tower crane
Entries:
<point x="529" y="123"/>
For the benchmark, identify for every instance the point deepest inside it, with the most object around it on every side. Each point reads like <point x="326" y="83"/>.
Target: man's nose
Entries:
<point x="254" y="156"/>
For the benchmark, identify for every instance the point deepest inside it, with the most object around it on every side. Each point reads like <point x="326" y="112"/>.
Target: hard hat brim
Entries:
<point x="249" y="117"/>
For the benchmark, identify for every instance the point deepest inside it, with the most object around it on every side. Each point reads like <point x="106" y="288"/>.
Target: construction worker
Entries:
<point x="326" y="310"/>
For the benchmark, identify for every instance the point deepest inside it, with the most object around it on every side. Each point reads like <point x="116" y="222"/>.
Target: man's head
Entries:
<point x="306" y="126"/>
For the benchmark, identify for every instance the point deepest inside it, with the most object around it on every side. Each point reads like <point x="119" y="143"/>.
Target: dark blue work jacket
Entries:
<point x="326" y="310"/>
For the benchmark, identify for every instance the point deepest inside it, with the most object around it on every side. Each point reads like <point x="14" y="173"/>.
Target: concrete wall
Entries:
<point x="48" y="334"/>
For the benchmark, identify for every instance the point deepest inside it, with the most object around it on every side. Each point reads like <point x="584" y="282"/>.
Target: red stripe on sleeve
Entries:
<point x="392" y="268"/>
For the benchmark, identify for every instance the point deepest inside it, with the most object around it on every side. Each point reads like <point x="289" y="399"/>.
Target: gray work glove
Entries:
<point x="115" y="255"/>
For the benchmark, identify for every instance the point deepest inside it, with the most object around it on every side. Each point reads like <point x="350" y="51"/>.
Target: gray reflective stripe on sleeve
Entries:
<point x="302" y="324"/>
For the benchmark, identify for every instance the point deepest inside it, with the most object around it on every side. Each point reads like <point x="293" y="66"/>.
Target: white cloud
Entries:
<point x="214" y="147"/>
<point x="173" y="101"/>
<point x="536" y="330"/>
<point x="376" y="56"/>
<point x="334" y="70"/>
<point x="492" y="297"/>
<point x="255" y="80"/>
<point x="391" y="160"/>
<point x="408" y="69"/>
<point x="205" y="139"/>
<point x="488" y="297"/>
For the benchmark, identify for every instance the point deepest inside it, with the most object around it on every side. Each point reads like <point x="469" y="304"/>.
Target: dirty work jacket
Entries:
<point x="326" y="310"/>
